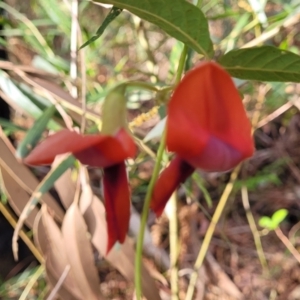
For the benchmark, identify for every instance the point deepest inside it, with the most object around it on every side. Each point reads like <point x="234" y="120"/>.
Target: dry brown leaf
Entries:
<point x="17" y="197"/>
<point x="86" y="197"/>
<point x="57" y="287"/>
<point x="94" y="217"/>
<point x="39" y="237"/>
<point x="63" y="293"/>
<point x="13" y="170"/>
<point x="22" y="175"/>
<point x="80" y="253"/>
<point x="56" y="256"/>
<point x="64" y="185"/>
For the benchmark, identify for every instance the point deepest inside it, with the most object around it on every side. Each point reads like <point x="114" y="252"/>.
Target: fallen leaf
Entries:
<point x="64" y="185"/>
<point x="94" y="217"/>
<point x="80" y="254"/>
<point x="22" y="175"/>
<point x="56" y="256"/>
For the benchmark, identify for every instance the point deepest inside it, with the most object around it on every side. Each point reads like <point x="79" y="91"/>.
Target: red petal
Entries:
<point x="170" y="178"/>
<point x="110" y="152"/>
<point x="127" y="142"/>
<point x="95" y="150"/>
<point x="61" y="142"/>
<point x="206" y="114"/>
<point x="216" y="156"/>
<point x="117" y="203"/>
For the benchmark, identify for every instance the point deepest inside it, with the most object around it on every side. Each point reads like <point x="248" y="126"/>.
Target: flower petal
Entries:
<point x="216" y="156"/>
<point x="62" y="142"/>
<point x="170" y="178"/>
<point x="95" y="150"/>
<point x="109" y="152"/>
<point x="117" y="203"/>
<point x="205" y="114"/>
<point x="127" y="142"/>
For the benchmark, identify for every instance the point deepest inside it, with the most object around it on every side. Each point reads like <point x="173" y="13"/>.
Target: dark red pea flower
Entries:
<point x="207" y="128"/>
<point x="105" y="151"/>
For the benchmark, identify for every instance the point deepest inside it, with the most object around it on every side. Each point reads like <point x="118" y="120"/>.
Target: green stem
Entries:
<point x="142" y="85"/>
<point x="199" y="3"/>
<point x="181" y="64"/>
<point x="140" y="240"/>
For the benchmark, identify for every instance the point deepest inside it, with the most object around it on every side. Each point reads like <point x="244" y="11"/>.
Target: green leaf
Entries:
<point x="114" y="12"/>
<point x="273" y="222"/>
<point x="266" y="222"/>
<point x="262" y="63"/>
<point x="279" y="216"/>
<point x="178" y="18"/>
<point x="114" y="111"/>
<point x="34" y="134"/>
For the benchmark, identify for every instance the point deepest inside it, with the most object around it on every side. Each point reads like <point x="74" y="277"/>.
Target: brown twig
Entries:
<point x="288" y="244"/>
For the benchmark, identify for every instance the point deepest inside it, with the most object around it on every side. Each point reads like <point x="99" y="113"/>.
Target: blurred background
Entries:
<point x="254" y="251"/>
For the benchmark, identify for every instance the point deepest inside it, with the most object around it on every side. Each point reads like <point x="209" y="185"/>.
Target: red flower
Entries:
<point x="106" y="151"/>
<point x="207" y="128"/>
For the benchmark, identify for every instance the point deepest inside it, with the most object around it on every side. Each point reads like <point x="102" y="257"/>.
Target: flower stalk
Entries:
<point x="140" y="240"/>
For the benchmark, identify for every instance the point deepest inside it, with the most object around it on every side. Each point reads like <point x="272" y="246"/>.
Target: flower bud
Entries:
<point x="114" y="111"/>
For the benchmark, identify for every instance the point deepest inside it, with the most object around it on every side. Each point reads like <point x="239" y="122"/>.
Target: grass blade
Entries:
<point x="114" y="12"/>
<point x="35" y="132"/>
